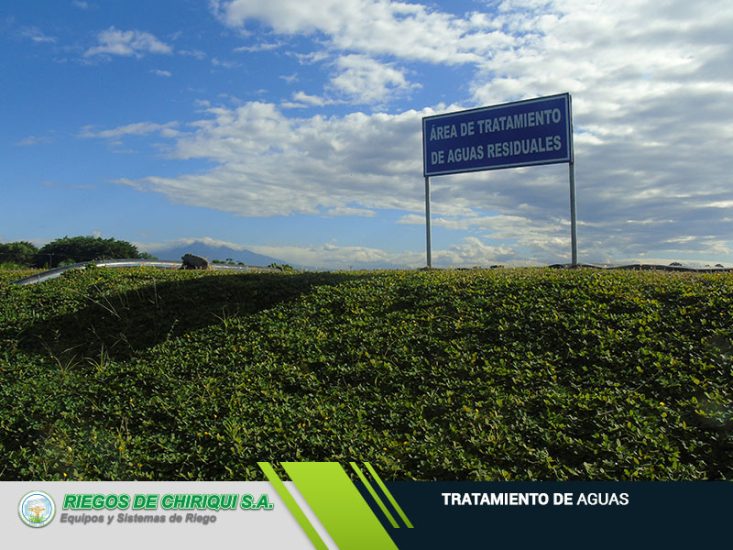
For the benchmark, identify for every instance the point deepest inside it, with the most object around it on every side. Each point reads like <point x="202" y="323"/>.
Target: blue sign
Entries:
<point x="523" y="133"/>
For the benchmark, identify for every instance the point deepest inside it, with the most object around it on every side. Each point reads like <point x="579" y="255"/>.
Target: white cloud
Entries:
<point x="473" y="252"/>
<point x="530" y="240"/>
<point x="29" y="141"/>
<point x="208" y="241"/>
<point x="269" y="164"/>
<point x="469" y="252"/>
<point x="162" y="73"/>
<point x="650" y="88"/>
<point x="365" y="80"/>
<point x="37" y="35"/>
<point x="310" y="58"/>
<point x="289" y="78"/>
<point x="301" y="100"/>
<point x="223" y="63"/>
<point x="349" y="211"/>
<point x="259" y="47"/>
<point x="376" y="27"/>
<point x="302" y="97"/>
<point x="196" y="54"/>
<point x="329" y="255"/>
<point x="134" y="129"/>
<point x="127" y="43"/>
<point x="652" y="98"/>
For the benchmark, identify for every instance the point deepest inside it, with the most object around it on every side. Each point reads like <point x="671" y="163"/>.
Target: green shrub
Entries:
<point x="483" y="375"/>
<point x="69" y="250"/>
<point x="20" y="253"/>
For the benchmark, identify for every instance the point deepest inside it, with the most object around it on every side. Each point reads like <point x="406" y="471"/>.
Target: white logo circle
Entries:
<point x="36" y="509"/>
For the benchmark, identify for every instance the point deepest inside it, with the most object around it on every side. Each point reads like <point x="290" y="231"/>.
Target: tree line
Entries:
<point x="67" y="250"/>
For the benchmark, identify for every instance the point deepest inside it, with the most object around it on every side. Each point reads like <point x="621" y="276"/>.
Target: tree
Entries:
<point x="21" y="253"/>
<point x="83" y="249"/>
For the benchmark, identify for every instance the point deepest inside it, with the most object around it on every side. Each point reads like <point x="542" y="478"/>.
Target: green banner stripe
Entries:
<point x="388" y="494"/>
<point x="292" y="506"/>
<point x="375" y="496"/>
<point x="339" y="506"/>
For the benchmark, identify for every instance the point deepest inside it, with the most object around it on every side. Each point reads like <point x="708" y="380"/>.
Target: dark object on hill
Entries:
<point x="199" y="248"/>
<point x="285" y="268"/>
<point x="194" y="262"/>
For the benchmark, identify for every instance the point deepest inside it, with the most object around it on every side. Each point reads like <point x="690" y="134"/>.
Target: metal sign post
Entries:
<point x="571" y="176"/>
<point x="523" y="133"/>
<point x="427" y="221"/>
<point x="573" y="239"/>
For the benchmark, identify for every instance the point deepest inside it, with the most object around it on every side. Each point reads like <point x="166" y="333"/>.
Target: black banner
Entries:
<point x="564" y="515"/>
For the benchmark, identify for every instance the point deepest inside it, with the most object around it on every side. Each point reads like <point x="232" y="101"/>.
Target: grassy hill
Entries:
<point x="481" y="375"/>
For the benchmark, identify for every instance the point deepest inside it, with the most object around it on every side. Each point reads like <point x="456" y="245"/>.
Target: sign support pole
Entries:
<point x="573" y="237"/>
<point x="427" y="222"/>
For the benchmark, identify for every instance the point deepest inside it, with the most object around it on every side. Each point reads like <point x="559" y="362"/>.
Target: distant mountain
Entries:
<point x="212" y="253"/>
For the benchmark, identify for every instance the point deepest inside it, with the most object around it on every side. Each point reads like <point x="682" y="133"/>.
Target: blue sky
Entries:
<point x="292" y="128"/>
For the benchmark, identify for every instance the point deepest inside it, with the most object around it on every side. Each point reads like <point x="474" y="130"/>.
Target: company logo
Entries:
<point x="36" y="509"/>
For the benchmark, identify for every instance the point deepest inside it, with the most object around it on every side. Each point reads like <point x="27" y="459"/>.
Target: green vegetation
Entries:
<point x="21" y="253"/>
<point x="69" y="250"/>
<point x="482" y="375"/>
<point x="66" y="251"/>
